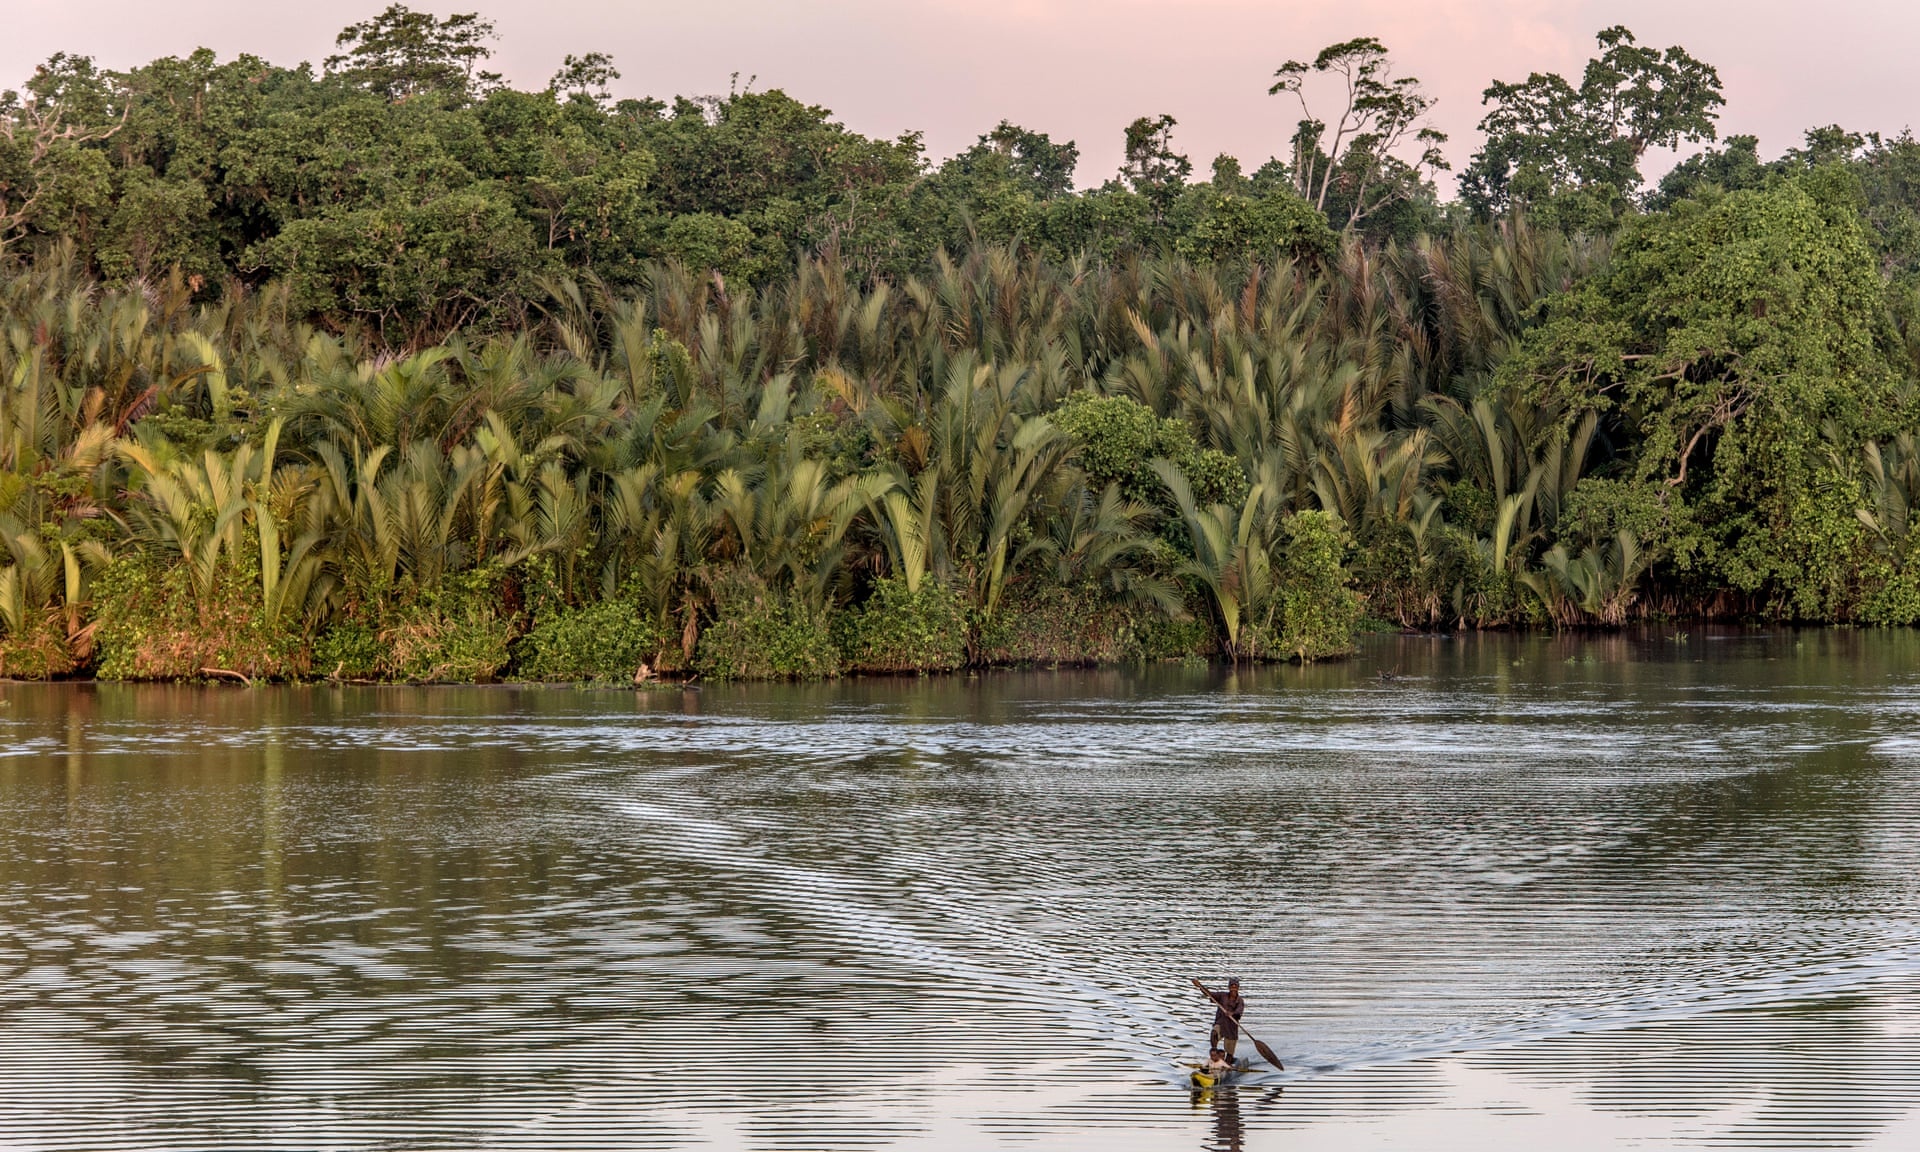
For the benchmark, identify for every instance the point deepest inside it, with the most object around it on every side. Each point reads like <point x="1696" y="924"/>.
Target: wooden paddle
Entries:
<point x="1266" y="1053"/>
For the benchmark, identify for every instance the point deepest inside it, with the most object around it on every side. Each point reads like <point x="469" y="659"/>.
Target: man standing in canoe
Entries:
<point x="1227" y="1011"/>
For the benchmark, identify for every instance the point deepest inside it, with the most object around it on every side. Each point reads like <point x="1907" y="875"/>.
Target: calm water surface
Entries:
<point x="1634" y="891"/>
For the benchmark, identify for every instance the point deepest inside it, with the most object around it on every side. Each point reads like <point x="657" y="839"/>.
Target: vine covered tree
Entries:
<point x="46" y="165"/>
<point x="1738" y="345"/>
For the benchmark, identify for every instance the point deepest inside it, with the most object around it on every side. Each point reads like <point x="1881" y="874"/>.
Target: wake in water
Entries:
<point x="1613" y="901"/>
<point x="1048" y="932"/>
<point x="1098" y="998"/>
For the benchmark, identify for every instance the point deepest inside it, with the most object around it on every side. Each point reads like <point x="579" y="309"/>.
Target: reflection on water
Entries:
<point x="1229" y="1129"/>
<point x="1627" y="890"/>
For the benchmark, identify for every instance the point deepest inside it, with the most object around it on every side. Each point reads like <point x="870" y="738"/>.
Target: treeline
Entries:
<point x="388" y="372"/>
<point x="404" y="192"/>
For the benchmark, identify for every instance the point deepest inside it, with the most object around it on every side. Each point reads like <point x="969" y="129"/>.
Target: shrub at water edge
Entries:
<point x="603" y="643"/>
<point x="900" y="631"/>
<point x="1318" y="609"/>
<point x="154" y="624"/>
<point x="759" y="634"/>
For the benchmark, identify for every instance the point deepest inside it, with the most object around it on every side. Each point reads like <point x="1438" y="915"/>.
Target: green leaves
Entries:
<point x="1318" y="610"/>
<point x="391" y="226"/>
<point x="898" y="630"/>
<point x="1117" y="440"/>
<point x="1031" y="160"/>
<point x="1355" y="173"/>
<point x="401" y="54"/>
<point x="51" y="178"/>
<point x="1278" y="225"/>
<point x="605" y="643"/>
<point x="1739" y="343"/>
<point x="1573" y="154"/>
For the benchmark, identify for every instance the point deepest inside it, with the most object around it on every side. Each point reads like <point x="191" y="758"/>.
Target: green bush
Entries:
<point x="152" y="625"/>
<point x="457" y="632"/>
<point x="1892" y="593"/>
<point x="704" y="241"/>
<point x="1117" y="439"/>
<point x="758" y="634"/>
<point x="40" y="650"/>
<point x="606" y="642"/>
<point x="1318" y="609"/>
<point x="1401" y="579"/>
<point x="351" y="649"/>
<point x="1048" y="624"/>
<point x="1150" y="635"/>
<point x="901" y="631"/>
<point x="1235" y="227"/>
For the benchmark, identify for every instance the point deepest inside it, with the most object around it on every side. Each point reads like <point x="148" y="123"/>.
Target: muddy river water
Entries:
<point x="1656" y="890"/>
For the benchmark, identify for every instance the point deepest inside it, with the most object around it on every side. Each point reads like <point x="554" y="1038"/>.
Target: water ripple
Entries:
<point x="1598" y="893"/>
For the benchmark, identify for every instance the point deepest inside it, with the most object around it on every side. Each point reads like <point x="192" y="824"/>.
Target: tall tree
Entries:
<point x="1738" y="345"/>
<point x="401" y="53"/>
<point x="1040" y="166"/>
<point x="1355" y="173"/>
<point x="1575" y="152"/>
<point x="45" y="165"/>
<point x="585" y="77"/>
<point x="1152" y="168"/>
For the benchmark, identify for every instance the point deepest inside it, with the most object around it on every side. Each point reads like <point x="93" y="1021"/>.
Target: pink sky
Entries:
<point x="1078" y="69"/>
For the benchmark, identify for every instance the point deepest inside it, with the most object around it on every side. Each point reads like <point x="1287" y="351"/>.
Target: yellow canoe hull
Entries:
<point x="1202" y="1078"/>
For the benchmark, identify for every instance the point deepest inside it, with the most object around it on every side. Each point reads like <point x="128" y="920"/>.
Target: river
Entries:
<point x="1652" y="890"/>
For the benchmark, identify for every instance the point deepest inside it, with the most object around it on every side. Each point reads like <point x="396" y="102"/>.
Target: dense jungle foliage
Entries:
<point x="387" y="371"/>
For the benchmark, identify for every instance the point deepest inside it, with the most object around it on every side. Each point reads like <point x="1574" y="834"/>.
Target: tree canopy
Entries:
<point x="1574" y="153"/>
<point x="401" y="54"/>
<point x="403" y="186"/>
<point x="1355" y="173"/>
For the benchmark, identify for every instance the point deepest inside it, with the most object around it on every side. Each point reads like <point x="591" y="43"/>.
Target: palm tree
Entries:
<point x="1232" y="559"/>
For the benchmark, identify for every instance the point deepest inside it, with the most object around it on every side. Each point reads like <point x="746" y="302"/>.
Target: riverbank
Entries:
<point x="153" y="629"/>
<point x="1046" y="647"/>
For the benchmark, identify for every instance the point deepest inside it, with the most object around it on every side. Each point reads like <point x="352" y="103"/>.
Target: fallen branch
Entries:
<point x="242" y="677"/>
<point x="337" y="678"/>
